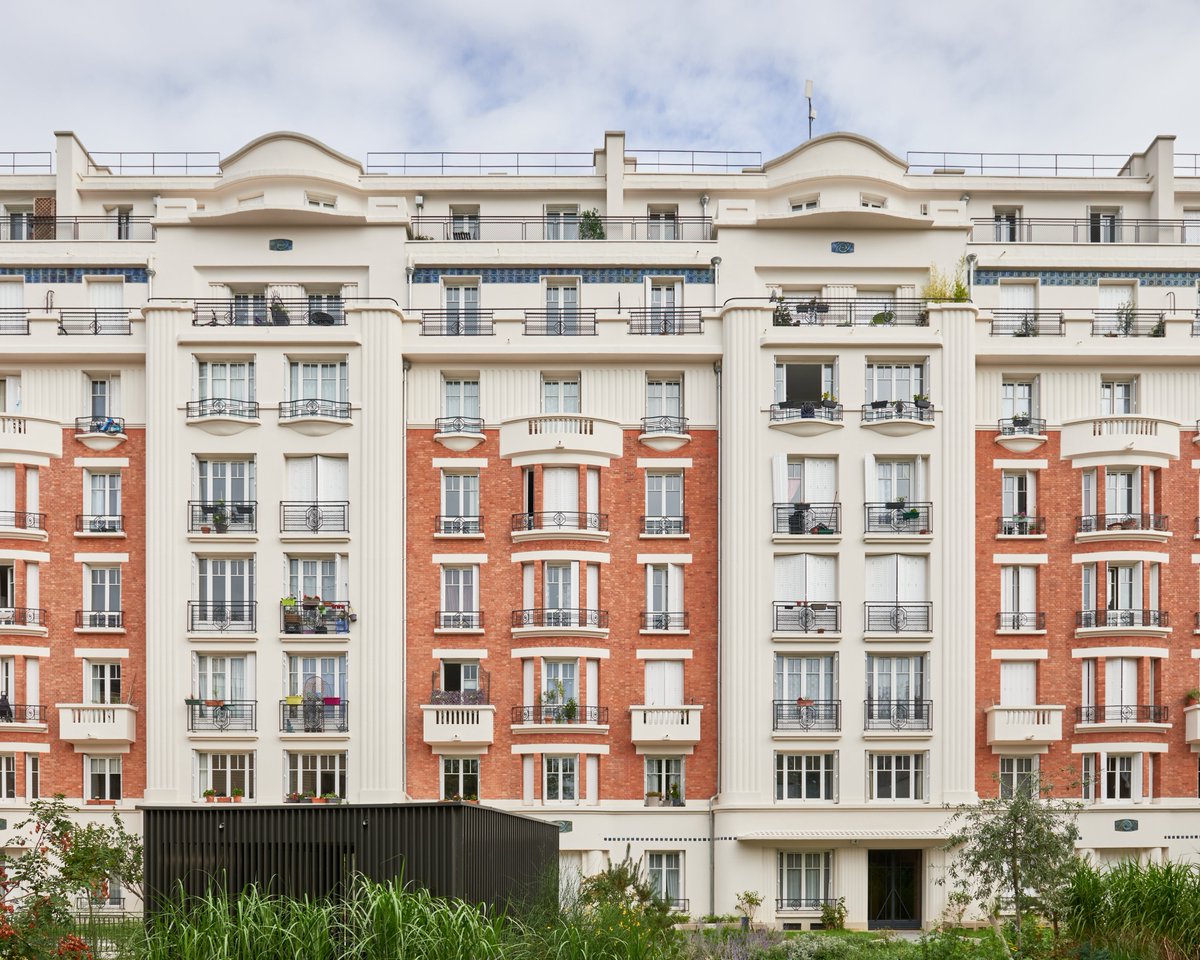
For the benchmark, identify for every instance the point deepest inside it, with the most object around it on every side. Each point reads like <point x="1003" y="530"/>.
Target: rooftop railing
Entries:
<point x="325" y="312"/>
<point x="852" y="311"/>
<point x="156" y="163"/>
<point x="572" y="226"/>
<point x="418" y="163"/>
<point x="694" y="161"/>
<point x="1026" y="323"/>
<point x="26" y="161"/>
<point x="34" y="227"/>
<point x="1082" y="230"/>
<point x="1019" y="164"/>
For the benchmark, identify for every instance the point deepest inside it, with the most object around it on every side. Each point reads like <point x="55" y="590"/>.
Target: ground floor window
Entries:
<point x="316" y="774"/>
<point x="460" y="778"/>
<point x="665" y="872"/>
<point x="1018" y="775"/>
<point x="804" y="776"/>
<point x="559" y="784"/>
<point x="897" y="776"/>
<point x="8" y="776"/>
<point x="805" y="879"/>
<point x="226" y="774"/>
<point x="103" y="778"/>
<point x="33" y="776"/>
<point x="664" y="776"/>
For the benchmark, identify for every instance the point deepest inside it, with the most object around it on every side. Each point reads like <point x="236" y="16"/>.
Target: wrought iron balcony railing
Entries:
<point x="1128" y="323"/>
<point x="1020" y="426"/>
<point x="899" y="516"/>
<point x="559" y="713"/>
<point x="97" y="322"/>
<point x="787" y="410"/>
<point x="458" y="425"/>
<point x="1020" y="526"/>
<point x="40" y="227"/>
<point x="278" y="312"/>
<point x="478" y="696"/>
<point x="852" y="311"/>
<point x="219" y="715"/>
<point x="1027" y="323"/>
<point x="807" y="518"/>
<point x="314" y="715"/>
<point x="807" y="616"/>
<point x="314" y="407"/>
<point x="805" y="715"/>
<point x="787" y="904"/>
<point x="879" y="410"/>
<point x="101" y="423"/>
<point x="1122" y="713"/>
<point x="898" y="714"/>
<point x="314" y="516"/>
<point x="664" y="321"/>
<point x="22" y="617"/>
<point x="14" y="321"/>
<point x="1021" y="620"/>
<point x="221" y="616"/>
<point x="664" y="526"/>
<point x="461" y="526"/>
<point x="565" y="617"/>
<point x="907" y="617"/>
<point x="652" y="425"/>
<point x="235" y="516"/>
<point x="327" y="616"/>
<point x="99" y="619"/>
<point x="23" y="713"/>
<point x="560" y="520"/>
<point x="664" y="620"/>
<point x="459" y="620"/>
<point x="20" y="520"/>
<point x="560" y="323"/>
<point x="1121" y="618"/>
<point x="1095" y="522"/>
<point x="457" y="323"/>
<point x="222" y="407"/>
<point x="568" y="227"/>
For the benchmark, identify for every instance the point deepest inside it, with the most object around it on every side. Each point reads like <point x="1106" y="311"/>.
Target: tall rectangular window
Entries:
<point x="317" y="774"/>
<point x="1018" y="775"/>
<point x="560" y="395"/>
<point x="460" y="778"/>
<point x="104" y="778"/>
<point x="805" y="879"/>
<point x="805" y="776"/>
<point x="560" y="783"/>
<point x="897" y="776"/>
<point x="665" y="873"/>
<point x="227" y="774"/>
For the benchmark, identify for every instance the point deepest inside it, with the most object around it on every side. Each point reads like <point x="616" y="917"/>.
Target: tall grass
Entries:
<point x="1151" y="911"/>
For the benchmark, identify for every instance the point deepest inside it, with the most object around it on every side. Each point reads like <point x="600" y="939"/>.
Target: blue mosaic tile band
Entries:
<point x="74" y="274"/>
<point x="986" y="277"/>
<point x="589" y="274"/>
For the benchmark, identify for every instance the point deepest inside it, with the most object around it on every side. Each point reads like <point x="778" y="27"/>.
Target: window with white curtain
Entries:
<point x="664" y="683"/>
<point x="317" y="774"/>
<point x="665" y="874"/>
<point x="323" y="577"/>
<point x="225" y="380"/>
<point x="1018" y="597"/>
<point x="319" y="380"/>
<point x="460" y="397"/>
<point x="103" y="500"/>
<point x="805" y="879"/>
<point x="104" y="777"/>
<point x="895" y="381"/>
<point x="323" y="672"/>
<point x="230" y="480"/>
<point x="560" y="782"/>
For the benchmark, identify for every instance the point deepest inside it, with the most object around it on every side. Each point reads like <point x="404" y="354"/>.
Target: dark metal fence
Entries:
<point x="314" y="715"/>
<point x="99" y="619"/>
<point x="1122" y="713"/>
<point x="20" y="520"/>
<point x="314" y="516"/>
<point x="1026" y="323"/>
<point x="1020" y="525"/>
<point x="787" y="410"/>
<point x="560" y="323"/>
<point x="899" y="516"/>
<point x="812" y="616"/>
<point x="458" y="425"/>
<point x="457" y="323"/>
<point x="897" y="410"/>
<point x="1095" y="522"/>
<point x="100" y="321"/>
<point x="314" y="407"/>
<point x="664" y="526"/>
<point x="1122" y="618"/>
<point x="222" y="407"/>
<point x="899" y="617"/>
<point x="899" y="714"/>
<point x="852" y="311"/>
<point x="664" y="321"/>
<point x="664" y="620"/>
<point x="220" y="715"/>
<point x="1021" y="620"/>
<point x="559" y="713"/>
<point x="221" y="616"/>
<point x="238" y="516"/>
<point x="560" y="520"/>
<point x="807" y="518"/>
<point x="805" y="715"/>
<point x="22" y="617"/>
<point x="560" y="617"/>
<point x="100" y="424"/>
<point x="278" y="312"/>
<point x="652" y="425"/>
<point x="1021" y="426"/>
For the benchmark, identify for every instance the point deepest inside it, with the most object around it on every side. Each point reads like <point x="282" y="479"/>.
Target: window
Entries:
<point x="230" y="480"/>
<point x="462" y="307"/>
<point x="662" y="222"/>
<point x="665" y="297"/>
<point x="101" y="397"/>
<point x="1007" y="221"/>
<point x="664" y="597"/>
<point x="460" y="398"/>
<point x="872" y="202"/>
<point x="797" y="384"/>
<point x="895" y="381"/>
<point x="460" y="598"/>
<point x="8" y="586"/>
<point x="460" y="777"/>
<point x="225" y="773"/>
<point x="326" y="308"/>
<point x="805" y="880"/>
<point x="317" y="774"/>
<point x="562" y="308"/>
<point x="104" y="681"/>
<point x="462" y="677"/>
<point x="664" y="503"/>
<point x="1104" y="224"/>
<point x="1018" y="598"/>
<point x="665" y="874"/>
<point x="460" y="503"/>
<point x="805" y="677"/>
<point x="559" y="684"/>
<point x="664" y="399"/>
<point x="33" y="776"/>
<point x="1122" y="491"/>
<point x="1018" y="502"/>
<point x="806" y="592"/>
<point x="1018" y="776"/>
<point x="897" y="582"/>
<point x="1016" y="398"/>
<point x="560" y="782"/>
<point x="895" y="480"/>
<point x="225" y="591"/>
<point x="103" y="506"/>
<point x="800" y="204"/>
<point x="896" y="692"/>
<point x="8" y="776"/>
<point x="664" y="775"/>
<point x="325" y="674"/>
<point x="103" y="778"/>
<point x="103" y="598"/>
<point x="321" y="577"/>
<point x="897" y="776"/>
<point x="222" y="380"/>
<point x="1118" y="776"/>
<point x="561" y="593"/>
<point x="1124" y="587"/>
<point x="221" y="678"/>
<point x="10" y="392"/>
<point x="560" y="395"/>
<point x="322" y="201"/>
<point x="20" y="222"/>
<point x="319" y="380"/>
<point x="805" y="776"/>
<point x="562" y="222"/>
<point x="250" y="307"/>
<point x="1191" y="225"/>
<point x="464" y="222"/>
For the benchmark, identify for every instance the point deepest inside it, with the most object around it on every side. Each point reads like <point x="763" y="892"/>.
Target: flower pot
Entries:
<point x="922" y="404"/>
<point x="210" y="799"/>
<point x="192" y="701"/>
<point x="102" y="803"/>
<point x="878" y="404"/>
<point x="894" y="505"/>
<point x="333" y="701"/>
<point x="829" y="404"/>
<point x="653" y="801"/>
<point x="221" y="527"/>
<point x="206" y="529"/>
<point x="214" y="703"/>
<point x="294" y="700"/>
<point x="224" y="799"/>
<point x="318" y="799"/>
<point x="238" y="799"/>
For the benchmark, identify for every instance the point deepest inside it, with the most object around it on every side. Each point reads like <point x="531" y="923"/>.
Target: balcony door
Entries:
<point x="318" y="479"/>
<point x="804" y="479"/>
<point x="225" y="381"/>
<point x="1018" y="683"/>
<point x="1122" y="491"/>
<point x="805" y="578"/>
<point x="895" y="679"/>
<point x="896" y="480"/>
<point x="105" y="682"/>
<point x="664" y="499"/>
<point x="1124" y="588"/>
<point x="560" y="496"/>
<point x="327" y="381"/>
<point x="664" y="397"/>
<point x="221" y="678"/>
<point x="327" y="673"/>
<point x="225" y="589"/>
<point x="1120" y="685"/>
<point x="664" y="683"/>
<point x="562" y="308"/>
<point x="561" y="594"/>
<point x="896" y="579"/>
<point x="813" y="678"/>
<point x="228" y="480"/>
<point x="559" y="682"/>
<point x="1018" y="595"/>
<point x="104" y="499"/>
<point x="1017" y="493"/>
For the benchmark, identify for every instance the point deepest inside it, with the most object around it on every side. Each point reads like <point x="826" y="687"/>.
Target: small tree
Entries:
<point x="1017" y="850"/>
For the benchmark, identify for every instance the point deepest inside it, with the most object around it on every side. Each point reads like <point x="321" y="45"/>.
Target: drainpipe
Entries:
<point x="716" y="267"/>
<point x="712" y="814"/>
<point x="406" y="366"/>
<point x="971" y="258"/>
<point x="409" y="270"/>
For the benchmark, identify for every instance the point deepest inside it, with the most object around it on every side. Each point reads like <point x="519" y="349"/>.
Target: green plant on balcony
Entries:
<point x="220" y="517"/>
<point x="591" y="226"/>
<point x="570" y="710"/>
<point x="1125" y="317"/>
<point x="1027" y="327"/>
<point x="1193" y="696"/>
<point x="1160" y="328"/>
<point x="883" y="318"/>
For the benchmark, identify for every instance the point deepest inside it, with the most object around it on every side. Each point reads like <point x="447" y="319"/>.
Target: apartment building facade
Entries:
<point x="651" y="493"/>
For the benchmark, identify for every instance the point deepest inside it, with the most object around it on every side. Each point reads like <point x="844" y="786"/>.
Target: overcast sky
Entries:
<point x="1047" y="75"/>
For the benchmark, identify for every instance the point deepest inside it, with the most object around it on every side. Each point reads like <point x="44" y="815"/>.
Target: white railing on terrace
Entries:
<point x="14" y="425"/>
<point x="1020" y="164"/>
<point x="462" y="164"/>
<point x="583" y="426"/>
<point x="1124" y="426"/>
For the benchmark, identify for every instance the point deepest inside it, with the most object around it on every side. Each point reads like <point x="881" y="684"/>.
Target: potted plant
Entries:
<point x="674" y="795"/>
<point x="224" y="799"/>
<point x="570" y="710"/>
<point x="238" y="794"/>
<point x="882" y="318"/>
<point x="1020" y="421"/>
<point x="205" y="528"/>
<point x="214" y="703"/>
<point x="829" y="401"/>
<point x="331" y="798"/>
<point x="220" y="518"/>
<point x="333" y="701"/>
<point x="1160" y="328"/>
<point x="320" y="799"/>
<point x="192" y="701"/>
<point x="653" y="798"/>
<point x="748" y="901"/>
<point x="321" y="626"/>
<point x="279" y="314"/>
<point x="1126" y="314"/>
<point x="923" y="317"/>
<point x="591" y="226"/>
<point x="921" y="400"/>
<point x="294" y="699"/>
<point x="311" y="603"/>
<point x="210" y="796"/>
<point x="293" y="797"/>
<point x="287" y="601"/>
<point x="783" y="315"/>
<point x="804" y="701"/>
<point x="1027" y="327"/>
<point x="878" y="404"/>
<point x="1193" y="696"/>
<point x="897" y="504"/>
<point x="307" y="797"/>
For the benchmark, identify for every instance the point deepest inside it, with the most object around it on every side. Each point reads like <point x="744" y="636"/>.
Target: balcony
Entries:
<point x="321" y="617"/>
<point x="898" y="517"/>
<point x="1128" y="323"/>
<point x="675" y="724"/>
<point x="314" y="715"/>
<point x="219" y="716"/>
<point x="314" y="517"/>
<point x="1021" y="434"/>
<point x="661" y="621"/>
<point x="99" y="524"/>
<point x="458" y="433"/>
<point x="805" y="616"/>
<point x="103" y="724"/>
<point x="566" y="714"/>
<point x="560" y="323"/>
<point x="806" y="418"/>
<point x="278" y="312"/>
<point x="20" y="525"/>
<point x="464" y="621"/>
<point x="14" y="321"/>
<point x="314" y="416"/>
<point x="899" y="617"/>
<point x="99" y="322"/>
<point x="559" y="436"/>
<point x="1027" y="323"/>
<point x="1122" y="526"/>
<point x="223" y="416"/>
<point x="37" y="227"/>
<point x="99" y="621"/>
<point x="22" y="619"/>
<point x="1021" y="525"/>
<point x="1191" y="723"/>
<point x="897" y="418"/>
<point x="23" y="713"/>
<point x="34" y="436"/>
<point x="459" y="724"/>
<point x="570" y="227"/>
<point x="222" y="616"/>
<point x="898" y="715"/>
<point x="1016" y="726"/>
<point x="100" y="432"/>
<point x="1123" y="621"/>
<point x="221" y="517"/>
<point x="664" y="526"/>
<point x="1122" y="713"/>
<point x="664" y="321"/>
<point x="559" y="525"/>
<point x="1023" y="621"/>
<point x="458" y="526"/>
<point x="852" y="311"/>
<point x="551" y="621"/>
<point x="1058" y="230"/>
<point x="664" y="433"/>
<point x="1118" y="439"/>
<point x="807" y="716"/>
<point x="457" y="323"/>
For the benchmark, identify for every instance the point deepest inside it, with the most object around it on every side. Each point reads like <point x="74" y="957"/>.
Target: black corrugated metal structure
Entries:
<point x="460" y="850"/>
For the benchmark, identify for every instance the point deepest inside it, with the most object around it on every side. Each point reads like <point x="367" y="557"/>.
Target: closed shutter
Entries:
<point x="8" y="488"/>
<point x="527" y="587"/>
<point x="870" y="480"/>
<point x="1017" y="296"/>
<point x="1026" y="589"/>
<point x="1120" y="681"/>
<point x="656" y="683"/>
<point x="1113" y="295"/>
<point x="302" y="479"/>
<point x="820" y="578"/>
<point x="1018" y="683"/>
<point x="560" y="489"/>
<point x="790" y="578"/>
<point x="910" y="579"/>
<point x="820" y="480"/>
<point x="33" y="586"/>
<point x="593" y="490"/>
<point x="12" y="295"/>
<point x="106" y="294"/>
<point x="33" y="490"/>
<point x="333" y="478"/>
<point x="779" y="478"/>
<point x="673" y="682"/>
<point x="674" y="587"/>
<point x="880" y="580"/>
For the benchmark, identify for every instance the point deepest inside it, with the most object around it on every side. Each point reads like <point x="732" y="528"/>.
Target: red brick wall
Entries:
<point x="1059" y="500"/>
<point x="61" y="595"/>
<point x="622" y="590"/>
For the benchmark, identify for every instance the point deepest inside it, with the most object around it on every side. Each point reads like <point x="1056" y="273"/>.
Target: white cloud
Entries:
<point x="363" y="75"/>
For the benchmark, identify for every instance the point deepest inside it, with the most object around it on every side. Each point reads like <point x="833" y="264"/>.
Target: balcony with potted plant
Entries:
<point x="308" y="616"/>
<point x="1021" y="433"/>
<point x="899" y="418"/>
<point x="807" y="416"/>
<point x="459" y="717"/>
<point x="887" y="521"/>
<point x="803" y="520"/>
<point x="234" y="521"/>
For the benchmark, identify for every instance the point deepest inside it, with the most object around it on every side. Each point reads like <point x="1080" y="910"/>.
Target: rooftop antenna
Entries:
<point x="812" y="114"/>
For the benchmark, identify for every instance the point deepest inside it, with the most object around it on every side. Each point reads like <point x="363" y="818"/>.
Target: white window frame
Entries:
<point x="455" y="768"/>
<point x="794" y="770"/>
<point x="112" y="767"/>
<point x="564" y="768"/>
<point x="918" y="770"/>
<point x="1015" y="770"/>
<point x="205" y="772"/>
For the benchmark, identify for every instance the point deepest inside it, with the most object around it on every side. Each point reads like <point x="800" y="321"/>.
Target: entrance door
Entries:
<point x="894" y="889"/>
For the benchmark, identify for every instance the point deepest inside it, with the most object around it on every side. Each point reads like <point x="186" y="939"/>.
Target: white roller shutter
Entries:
<point x="1018" y="683"/>
<point x="333" y="478"/>
<point x="12" y="296"/>
<point x="880" y="579"/>
<point x="673" y="682"/>
<point x="789" y="578"/>
<point x="779" y="478"/>
<point x="106" y="293"/>
<point x="302" y="479"/>
<point x="560" y="489"/>
<point x="527" y="595"/>
<point x="820" y="578"/>
<point x="1017" y="296"/>
<point x="820" y="480"/>
<point x="910" y="579"/>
